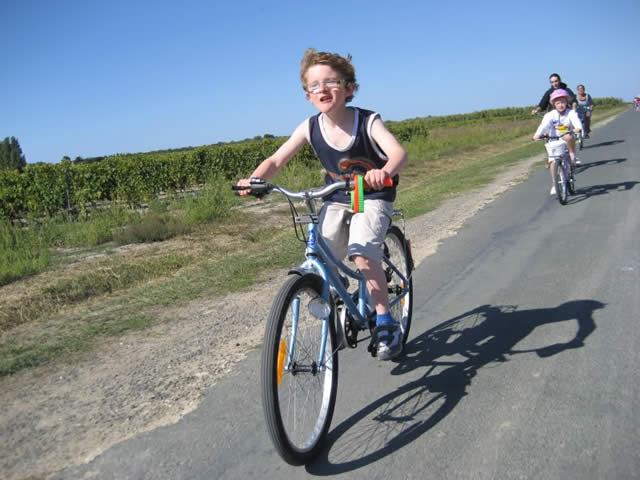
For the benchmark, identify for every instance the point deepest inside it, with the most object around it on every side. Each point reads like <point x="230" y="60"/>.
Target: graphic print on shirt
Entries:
<point x="560" y="127"/>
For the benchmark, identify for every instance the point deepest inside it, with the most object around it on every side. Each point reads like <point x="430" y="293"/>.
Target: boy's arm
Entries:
<point x="272" y="165"/>
<point x="396" y="156"/>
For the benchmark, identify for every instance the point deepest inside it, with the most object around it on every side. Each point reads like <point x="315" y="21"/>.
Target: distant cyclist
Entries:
<point x="584" y="109"/>
<point x="556" y="83"/>
<point x="636" y="102"/>
<point x="560" y="123"/>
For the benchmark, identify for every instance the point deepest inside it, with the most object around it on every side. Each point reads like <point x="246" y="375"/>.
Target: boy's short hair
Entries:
<point x="340" y="64"/>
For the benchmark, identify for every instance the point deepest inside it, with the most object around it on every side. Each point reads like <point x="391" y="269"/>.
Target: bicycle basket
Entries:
<point x="556" y="148"/>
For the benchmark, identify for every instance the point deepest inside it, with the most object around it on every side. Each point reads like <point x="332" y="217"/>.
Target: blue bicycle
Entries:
<point x="313" y="317"/>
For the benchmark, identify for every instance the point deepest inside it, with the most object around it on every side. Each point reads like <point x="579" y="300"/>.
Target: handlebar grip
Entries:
<point x="388" y="182"/>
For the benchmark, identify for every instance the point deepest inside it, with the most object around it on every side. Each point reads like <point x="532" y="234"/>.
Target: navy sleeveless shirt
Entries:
<point x="361" y="146"/>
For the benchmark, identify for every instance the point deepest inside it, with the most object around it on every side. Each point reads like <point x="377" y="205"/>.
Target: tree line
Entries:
<point x="11" y="156"/>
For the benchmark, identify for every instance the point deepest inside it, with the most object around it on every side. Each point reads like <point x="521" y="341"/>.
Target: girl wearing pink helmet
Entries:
<point x="560" y="122"/>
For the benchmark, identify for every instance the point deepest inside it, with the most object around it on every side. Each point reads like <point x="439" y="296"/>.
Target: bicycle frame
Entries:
<point x="565" y="164"/>
<point x="319" y="260"/>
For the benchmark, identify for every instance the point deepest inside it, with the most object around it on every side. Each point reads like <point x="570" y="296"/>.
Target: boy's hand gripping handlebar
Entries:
<point x="358" y="186"/>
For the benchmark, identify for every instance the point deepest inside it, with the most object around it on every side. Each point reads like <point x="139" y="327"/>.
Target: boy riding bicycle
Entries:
<point x="337" y="133"/>
<point x="560" y="122"/>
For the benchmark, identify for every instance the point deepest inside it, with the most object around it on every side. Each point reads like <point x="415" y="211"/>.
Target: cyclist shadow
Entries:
<point x="587" y="165"/>
<point x="450" y="354"/>
<point x="603" y="144"/>
<point x="595" y="190"/>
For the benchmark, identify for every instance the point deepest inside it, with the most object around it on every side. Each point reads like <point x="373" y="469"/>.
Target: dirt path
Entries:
<point x="61" y="415"/>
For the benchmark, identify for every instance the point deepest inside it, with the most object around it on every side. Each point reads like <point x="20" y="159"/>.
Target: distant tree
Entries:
<point x="11" y="156"/>
<point x="268" y="135"/>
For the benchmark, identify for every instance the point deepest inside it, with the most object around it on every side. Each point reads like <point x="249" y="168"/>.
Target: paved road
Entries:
<point x="522" y="363"/>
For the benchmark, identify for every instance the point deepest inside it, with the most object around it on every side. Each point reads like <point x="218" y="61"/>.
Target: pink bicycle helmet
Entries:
<point x="559" y="93"/>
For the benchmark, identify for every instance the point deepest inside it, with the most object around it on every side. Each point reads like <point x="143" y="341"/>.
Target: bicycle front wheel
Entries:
<point x="561" y="183"/>
<point x="396" y="250"/>
<point x="298" y="387"/>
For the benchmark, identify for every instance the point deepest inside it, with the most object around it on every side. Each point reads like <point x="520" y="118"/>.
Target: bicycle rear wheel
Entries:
<point x="397" y="251"/>
<point x="298" y="388"/>
<point x="561" y="182"/>
<point x="571" y="180"/>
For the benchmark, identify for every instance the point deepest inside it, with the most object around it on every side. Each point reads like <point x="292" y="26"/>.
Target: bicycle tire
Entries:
<point x="298" y="406"/>
<point x="397" y="250"/>
<point x="581" y="141"/>
<point x="561" y="183"/>
<point x="571" y="182"/>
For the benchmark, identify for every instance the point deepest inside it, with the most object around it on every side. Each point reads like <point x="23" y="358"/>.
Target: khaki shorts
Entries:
<point x="356" y="233"/>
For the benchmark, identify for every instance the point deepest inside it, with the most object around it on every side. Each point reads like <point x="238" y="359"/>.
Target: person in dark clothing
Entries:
<point x="556" y="83"/>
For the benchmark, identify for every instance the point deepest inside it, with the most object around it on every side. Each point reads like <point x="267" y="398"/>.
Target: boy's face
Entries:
<point x="560" y="104"/>
<point x="325" y="88"/>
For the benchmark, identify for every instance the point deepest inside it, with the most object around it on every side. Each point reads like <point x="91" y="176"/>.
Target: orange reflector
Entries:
<point x="282" y="355"/>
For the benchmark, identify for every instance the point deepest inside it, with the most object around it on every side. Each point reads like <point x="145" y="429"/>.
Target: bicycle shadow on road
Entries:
<point x="584" y="193"/>
<point x="603" y="144"/>
<point x="587" y="165"/>
<point x="450" y="354"/>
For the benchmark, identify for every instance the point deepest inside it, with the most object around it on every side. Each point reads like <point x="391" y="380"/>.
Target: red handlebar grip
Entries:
<point x="388" y="182"/>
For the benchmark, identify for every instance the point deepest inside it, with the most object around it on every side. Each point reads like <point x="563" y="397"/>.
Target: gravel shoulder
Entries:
<point x="65" y="414"/>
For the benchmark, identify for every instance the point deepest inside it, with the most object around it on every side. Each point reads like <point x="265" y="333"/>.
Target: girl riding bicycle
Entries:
<point x="337" y="133"/>
<point x="561" y="122"/>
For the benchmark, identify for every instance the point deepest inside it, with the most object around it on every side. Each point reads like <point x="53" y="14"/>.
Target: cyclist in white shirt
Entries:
<point x="560" y="122"/>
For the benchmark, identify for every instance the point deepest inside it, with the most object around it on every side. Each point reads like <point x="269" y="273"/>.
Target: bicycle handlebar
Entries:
<point x="259" y="188"/>
<point x="556" y="137"/>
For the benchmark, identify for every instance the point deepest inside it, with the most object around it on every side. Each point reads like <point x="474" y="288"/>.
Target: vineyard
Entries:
<point x="76" y="188"/>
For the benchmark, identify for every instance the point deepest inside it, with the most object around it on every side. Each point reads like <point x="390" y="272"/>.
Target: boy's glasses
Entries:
<point x="330" y="84"/>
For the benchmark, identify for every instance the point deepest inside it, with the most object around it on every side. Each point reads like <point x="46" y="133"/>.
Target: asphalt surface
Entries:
<point x="522" y="360"/>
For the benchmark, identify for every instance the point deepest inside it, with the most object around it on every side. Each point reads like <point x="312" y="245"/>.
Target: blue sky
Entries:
<point x="91" y="78"/>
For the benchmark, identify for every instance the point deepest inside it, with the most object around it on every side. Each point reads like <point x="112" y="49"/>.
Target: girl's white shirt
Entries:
<point x="556" y="125"/>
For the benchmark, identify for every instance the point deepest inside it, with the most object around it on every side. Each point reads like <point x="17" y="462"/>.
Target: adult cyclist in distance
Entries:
<point x="556" y="83"/>
<point x="584" y="108"/>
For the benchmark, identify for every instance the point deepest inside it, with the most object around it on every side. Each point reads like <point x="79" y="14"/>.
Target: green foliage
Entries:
<point x="135" y="179"/>
<point x="608" y="102"/>
<point x="154" y="227"/>
<point x="11" y="156"/>
<point x="22" y="252"/>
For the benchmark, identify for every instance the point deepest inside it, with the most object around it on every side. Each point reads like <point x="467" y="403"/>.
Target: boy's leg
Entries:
<point x="334" y="227"/>
<point x="376" y="282"/>
<point x="366" y="238"/>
